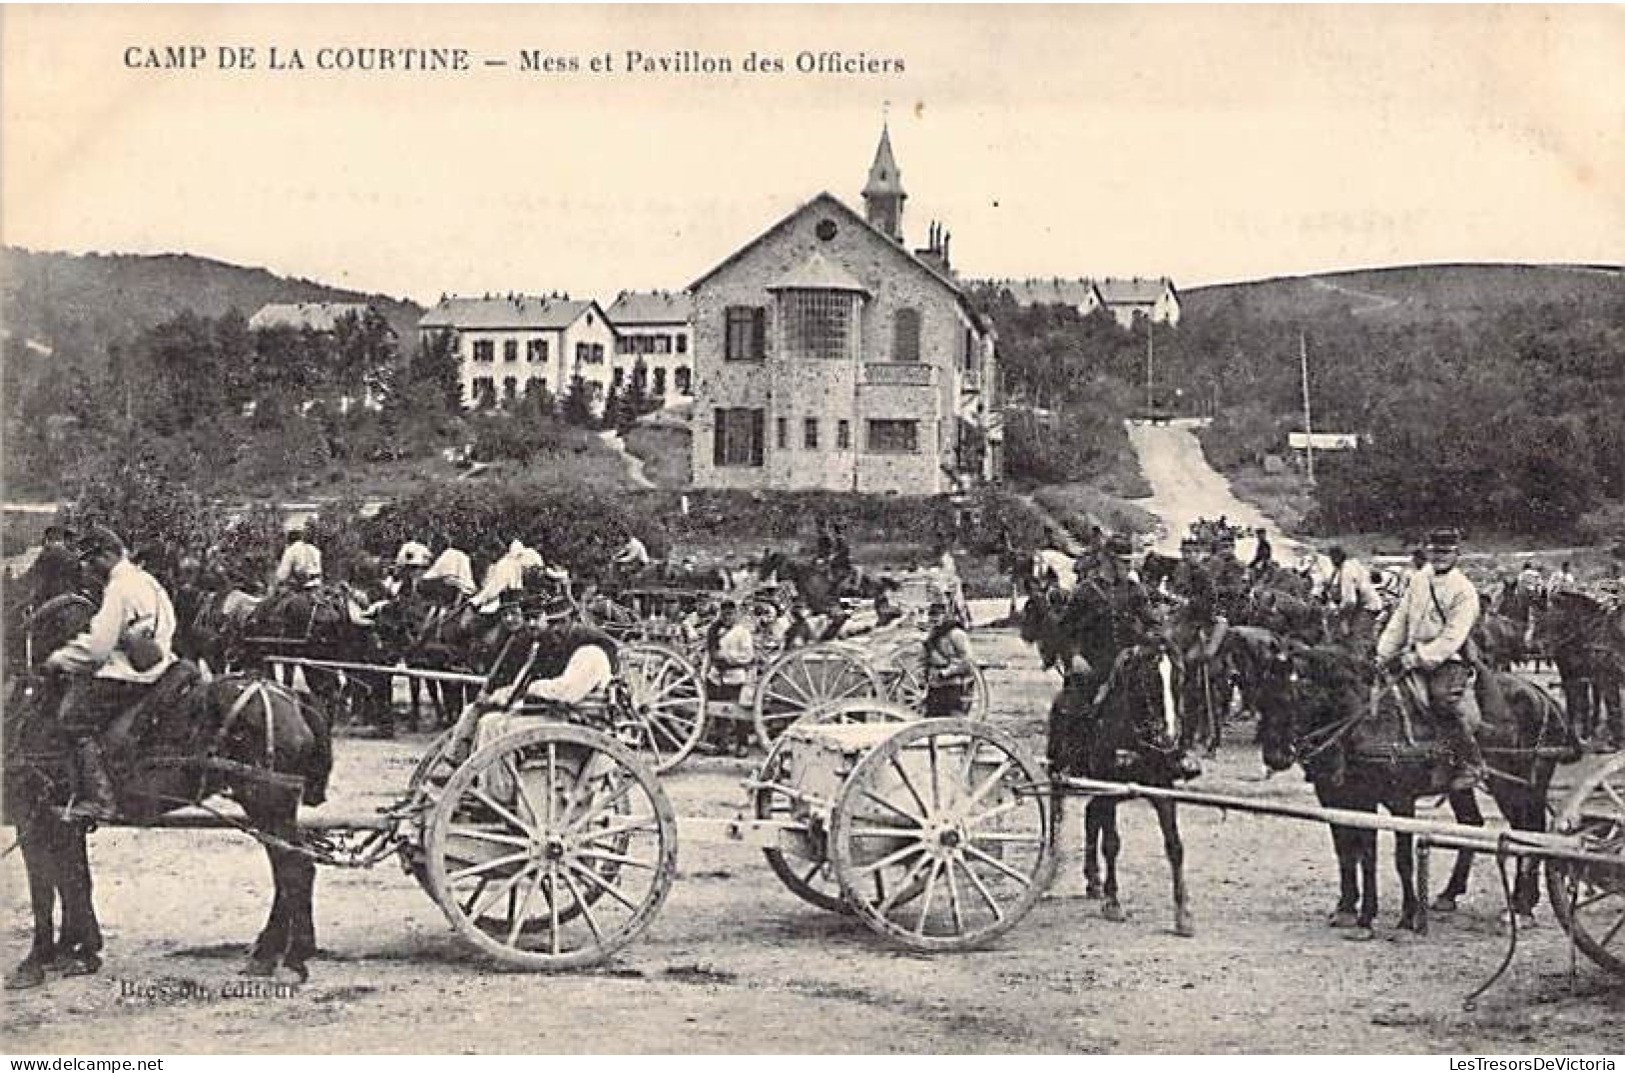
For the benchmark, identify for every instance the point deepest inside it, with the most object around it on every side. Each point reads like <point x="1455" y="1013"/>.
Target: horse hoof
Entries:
<point x="1526" y="921"/>
<point x="81" y="964"/>
<point x="291" y="974"/>
<point x="1184" y="929"/>
<point x="1113" y="912"/>
<point x="26" y="975"/>
<point x="1342" y="918"/>
<point x="1091" y="891"/>
<point x="260" y="967"/>
<point x="1362" y="933"/>
<point x="1444" y="903"/>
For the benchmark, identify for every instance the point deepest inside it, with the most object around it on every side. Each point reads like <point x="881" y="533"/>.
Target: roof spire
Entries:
<point x="883" y="193"/>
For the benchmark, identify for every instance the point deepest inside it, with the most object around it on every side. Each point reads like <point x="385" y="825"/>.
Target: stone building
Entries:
<point x="827" y="355"/>
<point x="1124" y="299"/>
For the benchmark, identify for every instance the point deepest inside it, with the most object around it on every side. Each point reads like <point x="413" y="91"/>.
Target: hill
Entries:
<point x="77" y="304"/>
<point x="1409" y="293"/>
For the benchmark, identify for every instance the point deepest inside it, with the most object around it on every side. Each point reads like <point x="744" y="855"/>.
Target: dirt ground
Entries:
<point x="735" y="963"/>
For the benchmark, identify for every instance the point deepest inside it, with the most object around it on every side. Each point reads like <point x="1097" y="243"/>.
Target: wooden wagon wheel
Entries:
<point x="939" y="840"/>
<point x="667" y="701"/>
<point x="902" y="680"/>
<point x="807" y="871"/>
<point x="1589" y="899"/>
<point x="551" y="847"/>
<point x="805" y="680"/>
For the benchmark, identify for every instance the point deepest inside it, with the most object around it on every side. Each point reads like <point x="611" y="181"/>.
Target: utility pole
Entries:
<point x="1308" y="427"/>
<point x="1150" y="357"/>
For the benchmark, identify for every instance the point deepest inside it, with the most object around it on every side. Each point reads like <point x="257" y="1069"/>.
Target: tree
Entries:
<point x="437" y="362"/>
<point x="576" y="406"/>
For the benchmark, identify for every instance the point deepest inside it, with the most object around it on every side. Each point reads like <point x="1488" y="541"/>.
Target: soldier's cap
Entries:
<point x="728" y="605"/>
<point x="98" y="539"/>
<point x="937" y="605"/>
<point x="1120" y="546"/>
<point x="1445" y="539"/>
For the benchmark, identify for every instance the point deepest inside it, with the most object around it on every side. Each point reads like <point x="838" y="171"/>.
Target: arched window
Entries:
<point x="906" y="335"/>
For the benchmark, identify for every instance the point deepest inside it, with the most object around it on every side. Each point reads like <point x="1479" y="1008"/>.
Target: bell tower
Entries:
<point x="883" y="194"/>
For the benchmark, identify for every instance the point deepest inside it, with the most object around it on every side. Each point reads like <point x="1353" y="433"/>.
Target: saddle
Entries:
<point x="1405" y="730"/>
<point x="176" y="691"/>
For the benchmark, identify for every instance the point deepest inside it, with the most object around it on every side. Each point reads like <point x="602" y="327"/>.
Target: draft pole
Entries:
<point x="1308" y="427"/>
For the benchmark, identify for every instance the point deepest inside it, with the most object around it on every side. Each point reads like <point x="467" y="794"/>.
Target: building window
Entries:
<point x="783" y="438"/>
<point x="589" y="353"/>
<point x="737" y="437"/>
<point x="484" y="350"/>
<point x="662" y="344"/>
<point x="660" y="381"/>
<point x="510" y="388"/>
<point x="683" y="376"/>
<point x="623" y="344"/>
<point x="618" y="377"/>
<point x="894" y="437"/>
<point x="746" y="334"/>
<point x="510" y="350"/>
<point x="809" y="433"/>
<point x="817" y="324"/>
<point x="535" y="385"/>
<point x="843" y="435"/>
<point x="682" y="343"/>
<point x="536" y="350"/>
<point x="484" y="391"/>
<point x="906" y="335"/>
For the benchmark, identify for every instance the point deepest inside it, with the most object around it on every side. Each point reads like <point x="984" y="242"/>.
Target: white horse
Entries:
<point x="1052" y="562"/>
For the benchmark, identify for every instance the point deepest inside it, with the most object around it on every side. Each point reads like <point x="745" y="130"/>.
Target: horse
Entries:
<point x="1585" y="637"/>
<point x="1158" y="569"/>
<point x="1357" y="745"/>
<point x="235" y="735"/>
<point x="321" y="623"/>
<point x="817" y="585"/>
<point x="1131" y="730"/>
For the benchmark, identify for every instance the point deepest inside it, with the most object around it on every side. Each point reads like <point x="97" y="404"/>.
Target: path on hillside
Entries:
<point x="634" y="464"/>
<point x="1379" y="302"/>
<point x="1184" y="488"/>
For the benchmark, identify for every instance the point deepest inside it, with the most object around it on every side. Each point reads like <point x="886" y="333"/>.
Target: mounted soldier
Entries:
<point x="301" y="564"/>
<point x="410" y="562"/>
<point x="1353" y="599"/>
<point x="112" y="666"/>
<point x="1428" y="635"/>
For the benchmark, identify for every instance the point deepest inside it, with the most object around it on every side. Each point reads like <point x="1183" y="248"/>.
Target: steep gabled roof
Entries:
<point x="1071" y="292"/>
<point x="832" y="203"/>
<point x="516" y="312"/>
<point x="1134" y="291"/>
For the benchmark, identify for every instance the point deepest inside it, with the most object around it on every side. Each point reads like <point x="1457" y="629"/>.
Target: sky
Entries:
<point x="1206" y="144"/>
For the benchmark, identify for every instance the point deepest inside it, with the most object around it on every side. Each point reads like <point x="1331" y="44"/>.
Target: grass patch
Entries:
<point x="1285" y="498"/>
<point x="666" y="452"/>
<point x="1081" y="506"/>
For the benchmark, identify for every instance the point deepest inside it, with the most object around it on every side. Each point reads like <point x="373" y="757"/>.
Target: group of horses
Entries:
<point x="1362" y="738"/>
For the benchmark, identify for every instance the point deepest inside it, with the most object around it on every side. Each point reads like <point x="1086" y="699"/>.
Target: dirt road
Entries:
<point x="1184" y="488"/>
<point x="735" y="963"/>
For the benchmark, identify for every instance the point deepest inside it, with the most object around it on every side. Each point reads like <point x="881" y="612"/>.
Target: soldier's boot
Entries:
<point x="94" y="800"/>
<point x="1467" y="759"/>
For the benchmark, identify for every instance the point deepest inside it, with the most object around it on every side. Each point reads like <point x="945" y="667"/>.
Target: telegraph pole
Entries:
<point x="1308" y="427"/>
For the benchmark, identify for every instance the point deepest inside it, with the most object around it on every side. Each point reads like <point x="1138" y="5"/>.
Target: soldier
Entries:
<point x="301" y="563"/>
<point x="950" y="676"/>
<point x="113" y="664"/>
<point x="1354" y="600"/>
<point x="1428" y="634"/>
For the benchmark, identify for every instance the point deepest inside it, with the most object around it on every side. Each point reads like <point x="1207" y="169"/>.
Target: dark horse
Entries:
<point x="1585" y="638"/>
<point x="1364" y="750"/>
<point x="819" y="586"/>
<point x="317" y="624"/>
<point x="1133" y="734"/>
<point x="237" y="736"/>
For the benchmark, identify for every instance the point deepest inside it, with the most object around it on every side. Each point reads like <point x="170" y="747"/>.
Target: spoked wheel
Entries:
<point x="1589" y="899"/>
<point x="939" y="839"/>
<point x="667" y="702"/>
<point x="551" y="848"/>
<point x="434" y="769"/>
<point x="806" y="680"/>
<point x="801" y="860"/>
<point x="902" y="679"/>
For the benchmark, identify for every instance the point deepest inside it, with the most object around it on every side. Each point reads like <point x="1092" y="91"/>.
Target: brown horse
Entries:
<point x="1364" y="752"/>
<point x="1585" y="637"/>
<point x="192" y="739"/>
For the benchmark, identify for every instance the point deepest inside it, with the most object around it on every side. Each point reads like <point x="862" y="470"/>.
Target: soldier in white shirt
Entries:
<point x="301" y="564"/>
<point x="1354" y="599"/>
<point x="127" y="647"/>
<point x="1428" y="634"/>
